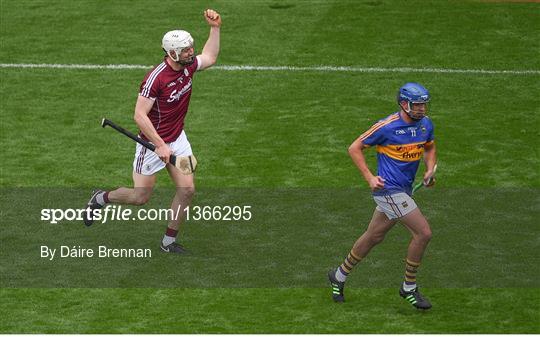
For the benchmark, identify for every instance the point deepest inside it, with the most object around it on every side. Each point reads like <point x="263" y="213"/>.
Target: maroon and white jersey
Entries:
<point x="171" y="92"/>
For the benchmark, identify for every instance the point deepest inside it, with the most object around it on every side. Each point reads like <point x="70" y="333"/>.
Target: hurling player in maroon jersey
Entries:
<point x="160" y="111"/>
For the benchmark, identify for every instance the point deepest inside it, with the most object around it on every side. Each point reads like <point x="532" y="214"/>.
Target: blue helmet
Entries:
<point x="413" y="93"/>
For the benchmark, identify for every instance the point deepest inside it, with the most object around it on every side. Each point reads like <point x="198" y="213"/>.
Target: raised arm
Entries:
<point x="210" y="50"/>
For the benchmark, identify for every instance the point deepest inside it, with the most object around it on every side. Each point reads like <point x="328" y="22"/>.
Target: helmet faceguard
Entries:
<point x="175" y="42"/>
<point x="417" y="98"/>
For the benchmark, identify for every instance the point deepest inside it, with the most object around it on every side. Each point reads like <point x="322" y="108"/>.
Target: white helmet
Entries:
<point x="176" y="40"/>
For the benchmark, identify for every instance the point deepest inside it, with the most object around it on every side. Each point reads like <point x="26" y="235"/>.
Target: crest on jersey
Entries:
<point x="186" y="72"/>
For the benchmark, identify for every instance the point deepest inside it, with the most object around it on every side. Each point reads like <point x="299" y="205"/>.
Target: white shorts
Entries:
<point x="148" y="163"/>
<point x="395" y="206"/>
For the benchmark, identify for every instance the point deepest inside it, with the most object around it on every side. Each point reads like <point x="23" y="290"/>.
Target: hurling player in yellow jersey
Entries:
<point x="401" y="140"/>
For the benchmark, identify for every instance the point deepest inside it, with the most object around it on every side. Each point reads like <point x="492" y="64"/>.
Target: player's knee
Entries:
<point x="141" y="199"/>
<point x="425" y="235"/>
<point x="376" y="238"/>
<point x="186" y="192"/>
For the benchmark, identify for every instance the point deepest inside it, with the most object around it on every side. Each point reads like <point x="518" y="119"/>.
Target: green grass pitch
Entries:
<point x="277" y="140"/>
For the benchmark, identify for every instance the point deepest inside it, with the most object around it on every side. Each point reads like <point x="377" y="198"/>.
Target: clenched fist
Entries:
<point x="212" y="17"/>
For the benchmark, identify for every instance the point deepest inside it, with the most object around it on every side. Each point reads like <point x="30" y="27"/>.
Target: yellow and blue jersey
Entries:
<point x="400" y="146"/>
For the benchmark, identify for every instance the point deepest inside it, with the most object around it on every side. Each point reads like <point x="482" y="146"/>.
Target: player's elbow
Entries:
<point x="430" y="147"/>
<point x="209" y="59"/>
<point x="138" y="118"/>
<point x="357" y="147"/>
<point x="354" y="149"/>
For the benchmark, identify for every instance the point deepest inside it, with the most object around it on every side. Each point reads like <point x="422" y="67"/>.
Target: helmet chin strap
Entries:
<point x="177" y="59"/>
<point x="410" y="113"/>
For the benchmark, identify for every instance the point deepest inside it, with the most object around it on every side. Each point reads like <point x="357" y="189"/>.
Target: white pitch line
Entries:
<point x="74" y="66"/>
<point x="283" y="68"/>
<point x="379" y="70"/>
